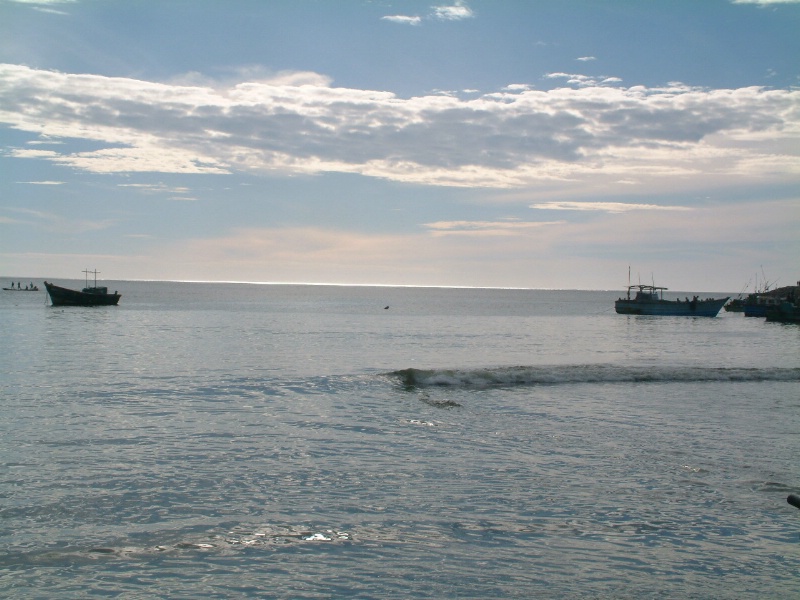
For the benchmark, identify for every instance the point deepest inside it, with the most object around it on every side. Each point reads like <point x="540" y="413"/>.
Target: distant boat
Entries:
<point x="649" y="300"/>
<point x="88" y="296"/>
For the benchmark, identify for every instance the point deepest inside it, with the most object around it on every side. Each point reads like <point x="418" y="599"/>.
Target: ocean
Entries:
<point x="209" y="440"/>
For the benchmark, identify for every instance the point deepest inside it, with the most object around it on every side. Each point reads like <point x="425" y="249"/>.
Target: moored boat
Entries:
<point x="786" y="312"/>
<point x="757" y="305"/>
<point x="649" y="300"/>
<point x="762" y="303"/>
<point x="89" y="296"/>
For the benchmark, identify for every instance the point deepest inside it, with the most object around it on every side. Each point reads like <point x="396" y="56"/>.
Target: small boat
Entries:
<point x="649" y="300"/>
<point x="89" y="296"/>
<point x="30" y="288"/>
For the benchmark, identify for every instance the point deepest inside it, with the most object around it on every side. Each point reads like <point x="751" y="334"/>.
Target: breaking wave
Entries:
<point x="577" y="374"/>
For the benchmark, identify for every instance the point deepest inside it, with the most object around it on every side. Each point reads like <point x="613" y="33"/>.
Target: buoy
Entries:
<point x="794" y="500"/>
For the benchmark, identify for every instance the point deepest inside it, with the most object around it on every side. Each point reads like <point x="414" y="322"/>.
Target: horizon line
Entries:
<point x="375" y="285"/>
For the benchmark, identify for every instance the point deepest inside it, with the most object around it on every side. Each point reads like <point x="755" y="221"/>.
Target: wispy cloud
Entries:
<point x="43" y="182"/>
<point x="156" y="188"/>
<point x="44" y="2"/>
<point x="457" y="11"/>
<point x="586" y="58"/>
<point x="44" y="142"/>
<point x="46" y="6"/>
<point x="300" y="124"/>
<point x="405" y="20"/>
<point x="487" y="228"/>
<point x="610" y="207"/>
<point x="54" y="222"/>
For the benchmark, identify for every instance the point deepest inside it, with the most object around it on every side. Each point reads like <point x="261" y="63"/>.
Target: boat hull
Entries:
<point x="669" y="308"/>
<point x="755" y="311"/>
<point x="60" y="296"/>
<point x="736" y="305"/>
<point x="785" y="313"/>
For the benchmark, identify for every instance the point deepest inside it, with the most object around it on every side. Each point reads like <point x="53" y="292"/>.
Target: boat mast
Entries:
<point x="87" y="271"/>
<point x="629" y="282"/>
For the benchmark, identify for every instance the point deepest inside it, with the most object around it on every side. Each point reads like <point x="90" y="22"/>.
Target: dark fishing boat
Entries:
<point x="649" y="300"/>
<point x="89" y="296"/>
<point x="765" y="298"/>
<point x="757" y="305"/>
<point x="786" y="312"/>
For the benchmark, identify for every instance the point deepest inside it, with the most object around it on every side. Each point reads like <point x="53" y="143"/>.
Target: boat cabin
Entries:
<point x="646" y="293"/>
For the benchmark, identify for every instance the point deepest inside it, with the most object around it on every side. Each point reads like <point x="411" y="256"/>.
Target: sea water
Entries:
<point x="282" y="441"/>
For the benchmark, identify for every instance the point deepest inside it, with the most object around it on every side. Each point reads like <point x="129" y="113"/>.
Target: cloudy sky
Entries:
<point x="496" y="143"/>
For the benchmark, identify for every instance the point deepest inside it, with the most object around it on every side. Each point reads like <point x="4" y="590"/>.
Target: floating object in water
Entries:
<point x="794" y="500"/>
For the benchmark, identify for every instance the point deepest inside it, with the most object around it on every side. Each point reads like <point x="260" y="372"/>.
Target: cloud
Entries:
<point x="582" y="80"/>
<point x="43" y="182"/>
<point x="297" y="123"/>
<point x="404" y="20"/>
<point x="487" y="228"/>
<point x="610" y="207"/>
<point x="176" y="193"/>
<point x="156" y="188"/>
<point x="455" y="12"/>
<point x="53" y="222"/>
<point x="518" y="87"/>
<point x="586" y="58"/>
<point x="45" y="5"/>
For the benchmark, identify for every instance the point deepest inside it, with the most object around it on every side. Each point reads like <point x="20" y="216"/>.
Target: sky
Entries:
<point x="488" y="143"/>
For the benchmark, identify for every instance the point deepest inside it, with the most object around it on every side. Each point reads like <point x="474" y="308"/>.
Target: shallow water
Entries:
<point x="228" y="440"/>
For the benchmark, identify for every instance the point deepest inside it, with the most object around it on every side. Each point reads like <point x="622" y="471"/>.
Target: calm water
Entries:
<point x="227" y="441"/>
